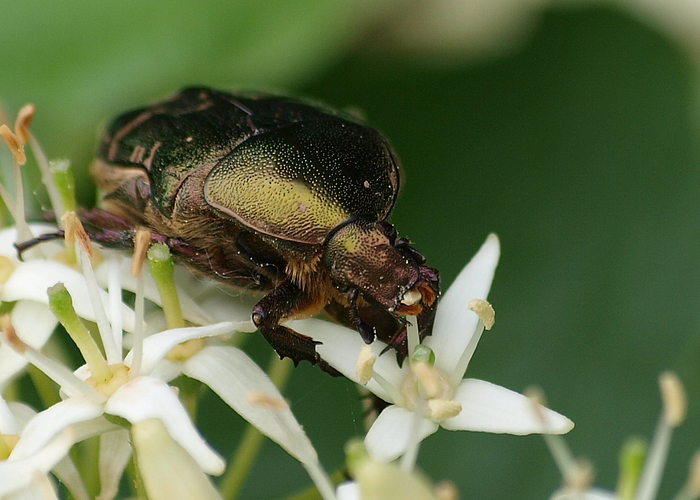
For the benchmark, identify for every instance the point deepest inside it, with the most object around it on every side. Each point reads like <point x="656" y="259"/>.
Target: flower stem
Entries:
<point x="243" y="459"/>
<point x="61" y="305"/>
<point x="249" y="447"/>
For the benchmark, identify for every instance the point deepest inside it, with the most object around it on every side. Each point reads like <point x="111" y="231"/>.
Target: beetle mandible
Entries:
<point x="273" y="194"/>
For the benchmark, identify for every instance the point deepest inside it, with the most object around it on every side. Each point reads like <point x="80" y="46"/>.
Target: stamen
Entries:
<point x="24" y="119"/>
<point x="692" y="487"/>
<point x="162" y="268"/>
<point x="674" y="398"/>
<point x="57" y="372"/>
<point x="485" y="310"/>
<point x="17" y="205"/>
<point x="142" y="241"/>
<point x="14" y="143"/>
<point x="365" y="365"/>
<point x="84" y="249"/>
<point x="580" y="475"/>
<point x="446" y="490"/>
<point x="441" y="409"/>
<point x="486" y="316"/>
<point x="413" y="334"/>
<point x="675" y="404"/>
<point x="560" y="451"/>
<point x="114" y="287"/>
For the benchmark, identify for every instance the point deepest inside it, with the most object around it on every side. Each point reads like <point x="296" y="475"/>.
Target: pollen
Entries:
<point x="485" y="311"/>
<point x="441" y="409"/>
<point x="365" y="365"/>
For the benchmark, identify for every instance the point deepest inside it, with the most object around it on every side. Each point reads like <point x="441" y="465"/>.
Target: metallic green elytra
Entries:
<point x="274" y="194"/>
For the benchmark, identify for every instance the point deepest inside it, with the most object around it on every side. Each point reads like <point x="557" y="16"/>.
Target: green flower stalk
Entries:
<point x="61" y="305"/>
<point x="162" y="268"/>
<point x="63" y="179"/>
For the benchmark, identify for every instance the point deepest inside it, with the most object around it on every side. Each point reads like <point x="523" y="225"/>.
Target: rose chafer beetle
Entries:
<point x="272" y="194"/>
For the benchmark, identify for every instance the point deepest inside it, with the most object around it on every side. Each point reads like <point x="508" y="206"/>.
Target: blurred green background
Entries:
<point x="570" y="132"/>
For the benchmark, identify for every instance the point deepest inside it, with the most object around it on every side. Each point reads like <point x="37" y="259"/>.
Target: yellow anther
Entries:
<point x="485" y="311"/>
<point x="24" y="119"/>
<point x="365" y="365"/>
<point x="674" y="398"/>
<point x="14" y="144"/>
<point x="441" y="409"/>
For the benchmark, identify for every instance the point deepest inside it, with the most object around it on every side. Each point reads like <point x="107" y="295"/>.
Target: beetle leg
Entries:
<point x="281" y="303"/>
<point x="367" y="332"/>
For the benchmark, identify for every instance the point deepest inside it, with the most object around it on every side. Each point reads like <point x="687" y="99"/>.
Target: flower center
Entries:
<point x="428" y="390"/>
<point x="120" y="376"/>
<point x="7" y="444"/>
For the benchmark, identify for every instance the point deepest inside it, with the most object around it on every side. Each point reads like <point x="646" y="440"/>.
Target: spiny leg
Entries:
<point x="283" y="302"/>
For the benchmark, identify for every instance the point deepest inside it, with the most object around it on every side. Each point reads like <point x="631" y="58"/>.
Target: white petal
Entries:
<point x="11" y="365"/>
<point x="31" y="280"/>
<point x="168" y="472"/>
<point x="41" y="488"/>
<point x="348" y="490"/>
<point x="147" y="397"/>
<point x="227" y="304"/>
<point x="190" y="310"/>
<point x="34" y="324"/>
<point x="46" y="424"/>
<point x="16" y="474"/>
<point x="591" y="494"/>
<point x="68" y="474"/>
<point x="115" y="452"/>
<point x="8" y="238"/>
<point x="488" y="407"/>
<point x="235" y="378"/>
<point x="391" y="434"/>
<point x="158" y="345"/>
<point x="454" y="322"/>
<point x="341" y="348"/>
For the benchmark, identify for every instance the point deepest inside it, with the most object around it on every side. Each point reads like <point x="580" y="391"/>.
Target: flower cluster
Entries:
<point x="123" y="395"/>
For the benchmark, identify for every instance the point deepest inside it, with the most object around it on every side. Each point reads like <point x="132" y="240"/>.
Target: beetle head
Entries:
<point x="368" y="257"/>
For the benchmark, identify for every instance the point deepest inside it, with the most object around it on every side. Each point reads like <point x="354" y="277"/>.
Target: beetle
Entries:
<point x="273" y="194"/>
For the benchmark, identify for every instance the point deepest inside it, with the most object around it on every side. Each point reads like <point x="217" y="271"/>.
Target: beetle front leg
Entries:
<point x="281" y="303"/>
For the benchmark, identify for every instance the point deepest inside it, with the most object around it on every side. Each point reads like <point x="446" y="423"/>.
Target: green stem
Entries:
<point x="249" y="447"/>
<point x="61" y="305"/>
<point x="241" y="463"/>
<point x="311" y="493"/>
<point x="162" y="269"/>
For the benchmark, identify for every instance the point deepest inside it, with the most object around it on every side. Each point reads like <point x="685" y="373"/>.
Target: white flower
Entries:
<point x="635" y="482"/>
<point x="424" y="398"/>
<point x="26" y="475"/>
